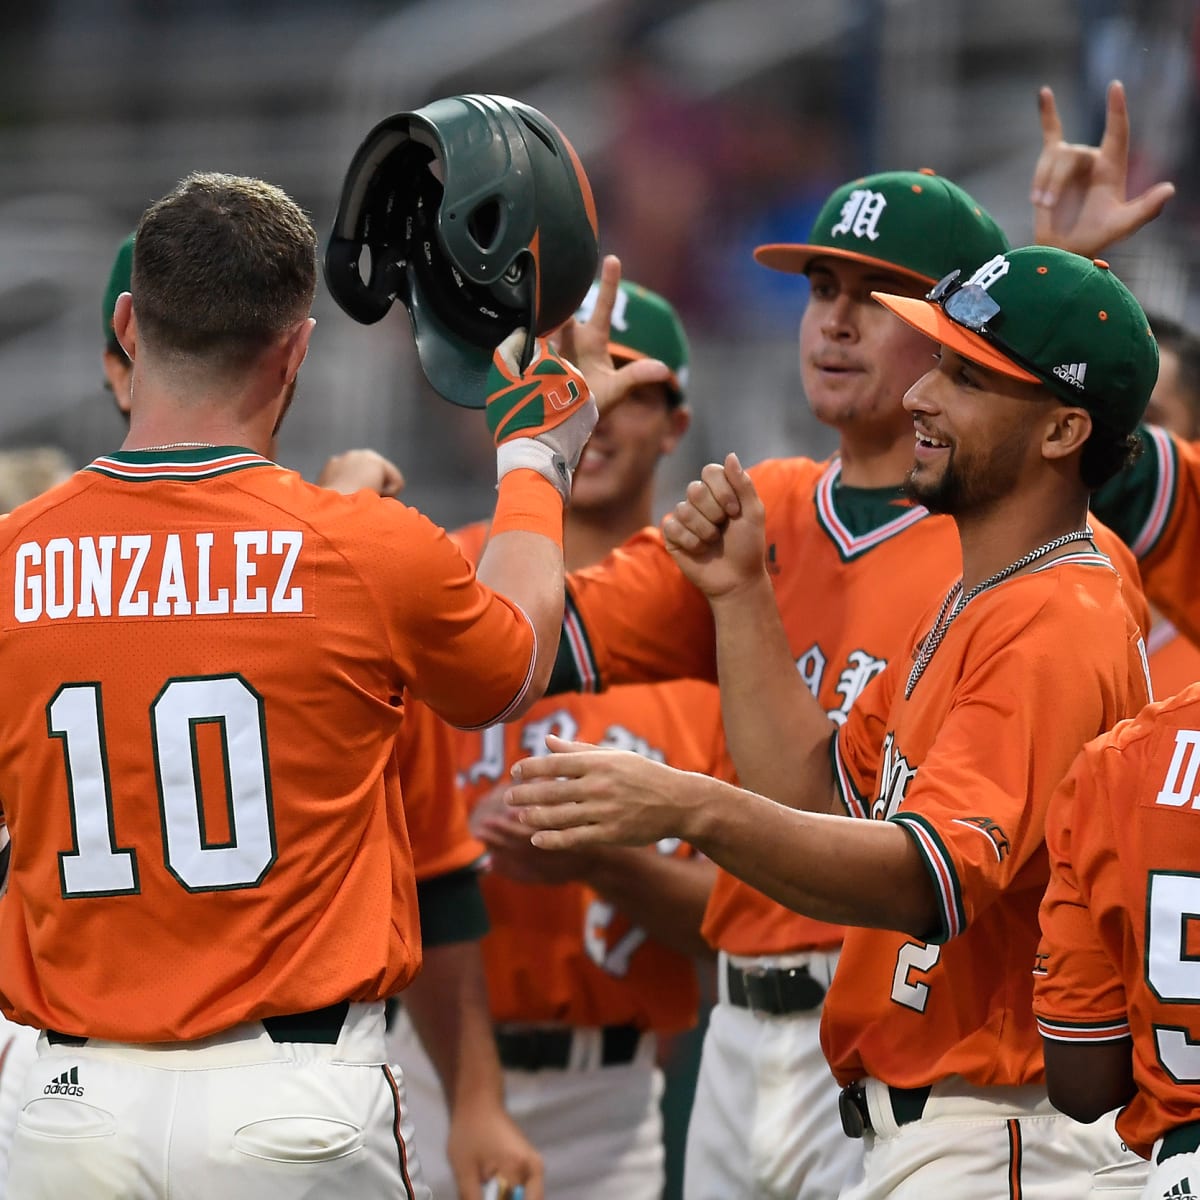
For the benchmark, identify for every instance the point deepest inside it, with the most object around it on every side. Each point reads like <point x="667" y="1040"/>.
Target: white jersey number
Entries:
<point x="96" y="865"/>
<point x="1172" y="901"/>
<point x="913" y="956"/>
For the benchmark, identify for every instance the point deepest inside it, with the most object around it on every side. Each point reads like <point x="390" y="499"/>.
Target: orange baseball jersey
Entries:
<point x="842" y="562"/>
<point x="1028" y="672"/>
<point x="212" y="655"/>
<point x="1174" y="659"/>
<point x="1120" y="932"/>
<point x="1155" y="507"/>
<point x="562" y="953"/>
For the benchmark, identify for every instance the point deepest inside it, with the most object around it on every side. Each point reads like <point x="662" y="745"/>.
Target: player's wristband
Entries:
<point x="533" y="454"/>
<point x="528" y="502"/>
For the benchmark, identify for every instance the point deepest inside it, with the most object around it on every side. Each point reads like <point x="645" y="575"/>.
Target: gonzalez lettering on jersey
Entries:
<point x="198" y="573"/>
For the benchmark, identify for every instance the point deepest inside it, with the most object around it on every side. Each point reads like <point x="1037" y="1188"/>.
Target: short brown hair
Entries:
<point x="222" y="266"/>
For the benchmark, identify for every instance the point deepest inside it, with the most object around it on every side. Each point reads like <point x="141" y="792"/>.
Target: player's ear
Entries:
<point x="679" y="421"/>
<point x="1066" y="430"/>
<point x="125" y="324"/>
<point x="296" y="347"/>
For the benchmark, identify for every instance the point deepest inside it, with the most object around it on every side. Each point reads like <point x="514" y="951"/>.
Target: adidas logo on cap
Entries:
<point x="1072" y="373"/>
<point x="66" y="1084"/>
<point x="1181" y="1191"/>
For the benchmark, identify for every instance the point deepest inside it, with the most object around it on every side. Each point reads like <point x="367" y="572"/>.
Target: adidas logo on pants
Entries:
<point x="66" y="1084"/>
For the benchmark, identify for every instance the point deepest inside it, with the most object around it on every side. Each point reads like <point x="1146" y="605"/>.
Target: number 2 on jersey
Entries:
<point x="96" y="865"/>
<point x="912" y="957"/>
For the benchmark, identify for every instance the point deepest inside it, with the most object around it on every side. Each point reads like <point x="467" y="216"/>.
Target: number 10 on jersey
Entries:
<point x="97" y="865"/>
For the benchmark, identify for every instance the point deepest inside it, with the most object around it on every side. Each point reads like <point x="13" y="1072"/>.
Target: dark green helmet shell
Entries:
<point x="477" y="214"/>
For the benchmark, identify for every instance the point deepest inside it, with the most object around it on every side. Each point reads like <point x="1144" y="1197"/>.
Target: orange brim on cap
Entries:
<point x="928" y="318"/>
<point x="794" y="258"/>
<point x="625" y="355"/>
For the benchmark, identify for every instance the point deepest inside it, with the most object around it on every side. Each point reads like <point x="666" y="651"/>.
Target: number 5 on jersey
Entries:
<point x="96" y="865"/>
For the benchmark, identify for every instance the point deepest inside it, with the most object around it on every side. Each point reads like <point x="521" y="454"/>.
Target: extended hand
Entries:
<point x="715" y="534"/>
<point x="585" y="343"/>
<point x="1078" y="191"/>
<point x="357" y="469"/>
<point x="581" y="795"/>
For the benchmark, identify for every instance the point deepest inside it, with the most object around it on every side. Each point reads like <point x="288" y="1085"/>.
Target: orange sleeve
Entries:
<point x="1166" y="545"/>
<point x="465" y="650"/>
<point x="1078" y="992"/>
<point x="634" y="618"/>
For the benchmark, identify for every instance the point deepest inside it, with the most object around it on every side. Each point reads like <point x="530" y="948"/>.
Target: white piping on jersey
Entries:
<point x="1082" y="558"/>
<point x="1156" y="521"/>
<point x="585" y="667"/>
<point x="176" y="469"/>
<point x="845" y="784"/>
<point x="849" y="543"/>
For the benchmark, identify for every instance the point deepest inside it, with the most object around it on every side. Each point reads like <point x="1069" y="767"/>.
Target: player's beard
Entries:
<point x="968" y="485"/>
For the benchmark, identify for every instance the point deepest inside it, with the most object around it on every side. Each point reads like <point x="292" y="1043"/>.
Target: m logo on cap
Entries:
<point x="861" y="213"/>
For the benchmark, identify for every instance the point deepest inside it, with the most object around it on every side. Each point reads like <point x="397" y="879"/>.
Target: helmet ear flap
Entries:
<point x="456" y="204"/>
<point x="383" y="163"/>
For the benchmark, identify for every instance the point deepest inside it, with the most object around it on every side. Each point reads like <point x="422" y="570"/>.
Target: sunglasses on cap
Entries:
<point x="970" y="305"/>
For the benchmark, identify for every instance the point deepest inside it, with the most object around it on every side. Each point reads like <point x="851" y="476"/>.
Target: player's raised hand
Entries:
<point x="585" y="343"/>
<point x="716" y="533"/>
<point x="1079" y="192"/>
<point x="541" y="418"/>
<point x="357" y="469"/>
<point x="582" y="795"/>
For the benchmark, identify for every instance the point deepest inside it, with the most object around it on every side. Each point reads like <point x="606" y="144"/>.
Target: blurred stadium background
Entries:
<point x="707" y="126"/>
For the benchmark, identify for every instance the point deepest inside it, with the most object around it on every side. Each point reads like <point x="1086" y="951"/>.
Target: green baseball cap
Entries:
<point x="910" y="221"/>
<point x="644" y="325"/>
<point x="118" y="282"/>
<point x="1047" y="316"/>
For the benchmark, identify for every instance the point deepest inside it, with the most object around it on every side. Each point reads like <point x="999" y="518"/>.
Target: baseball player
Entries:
<point x="841" y="528"/>
<point x="1152" y="504"/>
<point x="949" y="757"/>
<point x="1115" y="987"/>
<point x="1175" y="408"/>
<point x="590" y="957"/>
<point x="485" y="1142"/>
<point x="209" y="896"/>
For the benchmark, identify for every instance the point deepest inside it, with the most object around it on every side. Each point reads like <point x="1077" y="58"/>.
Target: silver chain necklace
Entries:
<point x="955" y="601"/>
<point x="182" y="446"/>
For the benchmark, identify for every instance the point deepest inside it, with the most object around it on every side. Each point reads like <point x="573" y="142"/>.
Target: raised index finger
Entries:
<point x="606" y="293"/>
<point x="1052" y="132"/>
<point x="1114" y="142"/>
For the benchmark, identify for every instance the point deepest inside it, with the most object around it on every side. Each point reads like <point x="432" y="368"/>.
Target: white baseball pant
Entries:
<point x="18" y="1051"/>
<point x="1010" y="1142"/>
<point x="598" y="1128"/>
<point x="236" y="1115"/>
<point x="765" y="1122"/>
